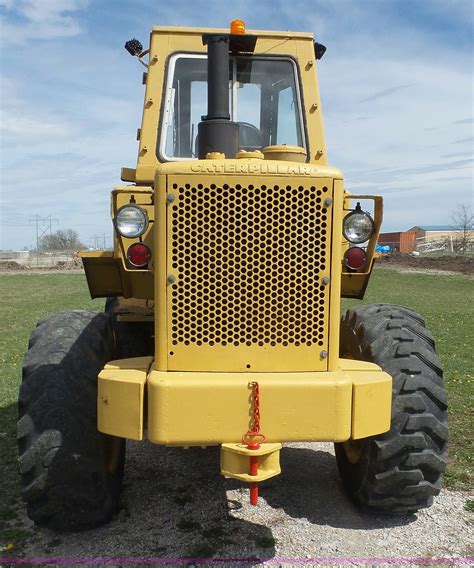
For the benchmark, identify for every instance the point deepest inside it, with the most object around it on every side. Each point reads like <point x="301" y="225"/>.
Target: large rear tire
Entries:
<point x="400" y="471"/>
<point x="71" y="473"/>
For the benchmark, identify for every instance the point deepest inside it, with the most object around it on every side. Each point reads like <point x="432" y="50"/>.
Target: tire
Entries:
<point x="71" y="473"/>
<point x="400" y="471"/>
<point x="133" y="339"/>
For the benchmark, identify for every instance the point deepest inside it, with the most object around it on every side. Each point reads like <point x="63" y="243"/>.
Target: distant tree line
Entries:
<point x="61" y="240"/>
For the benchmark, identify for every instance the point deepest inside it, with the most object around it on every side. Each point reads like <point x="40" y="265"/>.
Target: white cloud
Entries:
<point x="41" y="19"/>
<point x="397" y="145"/>
<point x="62" y="159"/>
<point x="23" y="122"/>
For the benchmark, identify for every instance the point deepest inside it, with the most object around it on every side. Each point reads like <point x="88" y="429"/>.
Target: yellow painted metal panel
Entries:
<point x="161" y="264"/>
<point x="184" y="30"/>
<point x="102" y="273"/>
<point x="350" y="365"/>
<point x="120" y="397"/>
<point x="371" y="403"/>
<point x="134" y="363"/>
<point x="251" y="299"/>
<point x="212" y="408"/>
<point x="371" y="398"/>
<point x="335" y="288"/>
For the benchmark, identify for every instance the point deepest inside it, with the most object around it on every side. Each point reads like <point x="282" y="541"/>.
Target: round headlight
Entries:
<point x="131" y="221"/>
<point x="358" y="227"/>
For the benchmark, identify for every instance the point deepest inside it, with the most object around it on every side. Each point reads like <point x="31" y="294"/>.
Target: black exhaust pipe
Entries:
<point x="216" y="132"/>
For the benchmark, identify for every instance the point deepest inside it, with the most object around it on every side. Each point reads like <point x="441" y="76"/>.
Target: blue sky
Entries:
<point x="396" y="85"/>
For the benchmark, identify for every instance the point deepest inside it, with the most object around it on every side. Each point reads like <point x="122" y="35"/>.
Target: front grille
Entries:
<point x="248" y="262"/>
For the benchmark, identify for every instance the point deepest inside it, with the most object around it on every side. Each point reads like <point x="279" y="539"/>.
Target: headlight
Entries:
<point x="358" y="226"/>
<point x="131" y="221"/>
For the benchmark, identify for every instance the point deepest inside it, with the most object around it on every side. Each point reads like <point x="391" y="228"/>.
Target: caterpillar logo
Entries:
<point x="253" y="167"/>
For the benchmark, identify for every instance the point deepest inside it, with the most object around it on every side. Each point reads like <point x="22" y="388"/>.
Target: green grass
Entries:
<point x="444" y="301"/>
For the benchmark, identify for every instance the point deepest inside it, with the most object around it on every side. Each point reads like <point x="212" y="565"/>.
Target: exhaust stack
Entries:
<point x="216" y="132"/>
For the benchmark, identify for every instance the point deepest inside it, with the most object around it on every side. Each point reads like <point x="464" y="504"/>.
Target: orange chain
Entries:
<point x="254" y="431"/>
<point x="256" y="409"/>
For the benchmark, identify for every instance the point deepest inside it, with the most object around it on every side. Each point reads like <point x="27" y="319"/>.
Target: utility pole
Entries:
<point x="43" y="225"/>
<point x="100" y="241"/>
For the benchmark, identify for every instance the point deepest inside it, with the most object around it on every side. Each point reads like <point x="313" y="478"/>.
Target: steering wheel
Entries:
<point x="250" y="137"/>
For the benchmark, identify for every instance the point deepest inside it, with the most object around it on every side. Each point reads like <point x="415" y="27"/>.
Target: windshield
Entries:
<point x="264" y="101"/>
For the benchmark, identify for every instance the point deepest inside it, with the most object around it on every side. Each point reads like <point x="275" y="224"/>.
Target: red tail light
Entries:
<point x="139" y="255"/>
<point x="355" y="258"/>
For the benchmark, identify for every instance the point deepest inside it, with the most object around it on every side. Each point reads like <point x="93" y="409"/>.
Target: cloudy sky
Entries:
<point x="396" y="84"/>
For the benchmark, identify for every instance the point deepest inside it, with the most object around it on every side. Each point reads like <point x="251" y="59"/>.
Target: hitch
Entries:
<point x="253" y="460"/>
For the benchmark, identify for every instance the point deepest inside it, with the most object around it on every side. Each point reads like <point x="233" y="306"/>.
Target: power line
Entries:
<point x="100" y="241"/>
<point x="43" y="225"/>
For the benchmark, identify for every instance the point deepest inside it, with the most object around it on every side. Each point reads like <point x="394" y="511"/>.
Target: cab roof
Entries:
<point x="260" y="33"/>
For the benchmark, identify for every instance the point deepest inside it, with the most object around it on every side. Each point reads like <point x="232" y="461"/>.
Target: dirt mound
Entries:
<point x="72" y="264"/>
<point x="10" y="265"/>
<point x="456" y="263"/>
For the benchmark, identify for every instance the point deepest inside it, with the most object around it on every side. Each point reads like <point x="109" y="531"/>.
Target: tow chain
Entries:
<point x="253" y="438"/>
<point x="255" y="424"/>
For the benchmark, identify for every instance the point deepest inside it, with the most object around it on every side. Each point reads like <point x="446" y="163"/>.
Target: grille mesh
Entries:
<point x="247" y="261"/>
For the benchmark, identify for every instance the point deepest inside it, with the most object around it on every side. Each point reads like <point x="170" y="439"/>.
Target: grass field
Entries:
<point x="445" y="301"/>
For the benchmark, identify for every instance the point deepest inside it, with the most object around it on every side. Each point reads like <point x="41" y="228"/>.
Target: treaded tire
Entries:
<point x="400" y="471"/>
<point x="133" y="339"/>
<point x="71" y="473"/>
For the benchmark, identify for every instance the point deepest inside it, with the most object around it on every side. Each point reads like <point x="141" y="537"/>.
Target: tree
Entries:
<point x="61" y="240"/>
<point x="463" y="221"/>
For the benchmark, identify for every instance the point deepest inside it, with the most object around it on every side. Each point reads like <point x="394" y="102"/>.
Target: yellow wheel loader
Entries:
<point x="234" y="241"/>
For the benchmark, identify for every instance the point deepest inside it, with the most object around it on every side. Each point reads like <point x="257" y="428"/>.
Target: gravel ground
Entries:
<point x="176" y="505"/>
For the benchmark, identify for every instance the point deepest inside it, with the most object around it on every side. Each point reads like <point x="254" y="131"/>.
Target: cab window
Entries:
<point x="264" y="101"/>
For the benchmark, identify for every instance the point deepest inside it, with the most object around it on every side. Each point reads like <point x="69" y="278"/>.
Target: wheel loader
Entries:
<point x="234" y="242"/>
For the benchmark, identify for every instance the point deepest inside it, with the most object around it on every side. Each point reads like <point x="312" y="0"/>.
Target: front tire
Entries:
<point x="400" y="471"/>
<point x="71" y="473"/>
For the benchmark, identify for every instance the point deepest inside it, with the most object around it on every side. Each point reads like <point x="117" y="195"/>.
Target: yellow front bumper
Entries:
<point x="194" y="408"/>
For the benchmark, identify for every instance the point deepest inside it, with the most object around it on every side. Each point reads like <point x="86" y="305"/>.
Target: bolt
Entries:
<point x="170" y="198"/>
<point x="171" y="279"/>
<point x="327" y="202"/>
<point x="325" y="281"/>
<point x="324" y="354"/>
<point x="314" y="107"/>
